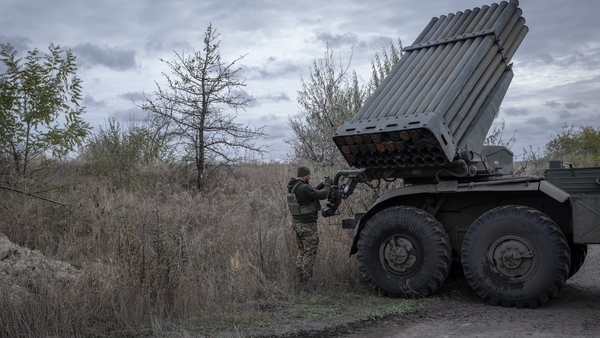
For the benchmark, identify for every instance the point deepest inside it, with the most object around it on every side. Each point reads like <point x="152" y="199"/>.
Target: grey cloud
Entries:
<point x="276" y="128"/>
<point x="253" y="102"/>
<point x="578" y="57"/>
<point x="154" y="45"/>
<point x="271" y="69"/>
<point x="537" y="120"/>
<point x="256" y="102"/>
<point x="89" y="101"/>
<point x="131" y="114"/>
<point x="277" y="97"/>
<point x="585" y="120"/>
<point x="277" y="132"/>
<point x="20" y="43"/>
<point x="158" y="45"/>
<point x="268" y="118"/>
<point x="565" y="114"/>
<point x="133" y="96"/>
<point x="340" y="40"/>
<point x="516" y="111"/>
<point x="552" y="104"/>
<point x="546" y="58"/>
<point x="90" y="55"/>
<point x="574" y="105"/>
<point x="382" y="42"/>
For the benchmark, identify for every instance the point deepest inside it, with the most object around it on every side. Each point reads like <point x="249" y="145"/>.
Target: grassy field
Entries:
<point x="153" y="256"/>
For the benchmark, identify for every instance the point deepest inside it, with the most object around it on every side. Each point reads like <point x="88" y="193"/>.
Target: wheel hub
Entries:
<point x="513" y="257"/>
<point x="397" y="254"/>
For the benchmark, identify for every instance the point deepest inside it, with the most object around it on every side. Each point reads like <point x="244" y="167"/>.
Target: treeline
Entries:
<point x="579" y="147"/>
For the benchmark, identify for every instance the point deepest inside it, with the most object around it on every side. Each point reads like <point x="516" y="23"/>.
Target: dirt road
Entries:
<point x="575" y="312"/>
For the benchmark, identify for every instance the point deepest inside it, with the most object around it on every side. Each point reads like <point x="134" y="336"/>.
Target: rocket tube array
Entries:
<point x="406" y="148"/>
<point x="451" y="68"/>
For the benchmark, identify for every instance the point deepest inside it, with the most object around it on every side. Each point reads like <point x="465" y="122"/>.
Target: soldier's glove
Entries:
<point x="328" y="181"/>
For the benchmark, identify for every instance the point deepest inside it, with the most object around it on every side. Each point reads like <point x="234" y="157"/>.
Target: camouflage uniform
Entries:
<point x="307" y="241"/>
<point x="305" y="224"/>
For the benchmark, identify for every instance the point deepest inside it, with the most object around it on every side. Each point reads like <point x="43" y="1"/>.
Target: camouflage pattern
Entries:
<point x="305" y="223"/>
<point x="307" y="240"/>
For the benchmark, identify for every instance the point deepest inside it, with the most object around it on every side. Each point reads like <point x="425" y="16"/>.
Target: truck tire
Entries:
<point x="404" y="252"/>
<point x="515" y="256"/>
<point x="578" y="254"/>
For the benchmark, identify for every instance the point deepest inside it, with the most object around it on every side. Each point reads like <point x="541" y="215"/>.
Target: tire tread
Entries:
<point x="550" y="230"/>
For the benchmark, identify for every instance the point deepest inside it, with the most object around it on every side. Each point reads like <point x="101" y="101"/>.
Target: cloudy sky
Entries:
<point x="118" y="45"/>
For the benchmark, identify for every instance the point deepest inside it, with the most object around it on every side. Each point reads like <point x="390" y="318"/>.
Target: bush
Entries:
<point x="580" y="148"/>
<point x="114" y="151"/>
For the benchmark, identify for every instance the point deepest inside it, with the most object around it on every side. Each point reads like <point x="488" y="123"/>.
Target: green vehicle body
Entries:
<point x="518" y="239"/>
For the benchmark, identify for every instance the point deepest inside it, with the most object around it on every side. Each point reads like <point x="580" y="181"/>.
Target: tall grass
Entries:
<point x="155" y="253"/>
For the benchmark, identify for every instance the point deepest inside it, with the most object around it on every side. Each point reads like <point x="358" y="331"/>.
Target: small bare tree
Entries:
<point x="190" y="111"/>
<point x="330" y="97"/>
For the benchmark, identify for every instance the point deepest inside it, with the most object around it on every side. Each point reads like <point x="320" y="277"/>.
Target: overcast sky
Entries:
<point x="118" y="45"/>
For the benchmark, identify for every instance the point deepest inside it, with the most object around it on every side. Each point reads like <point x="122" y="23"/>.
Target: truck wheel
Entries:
<point x="515" y="256"/>
<point x="578" y="254"/>
<point x="404" y="252"/>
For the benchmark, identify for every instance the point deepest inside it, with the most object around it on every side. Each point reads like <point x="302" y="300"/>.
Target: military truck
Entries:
<point x="518" y="239"/>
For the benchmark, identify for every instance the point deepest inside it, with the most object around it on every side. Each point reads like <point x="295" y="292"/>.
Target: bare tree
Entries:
<point x="330" y="97"/>
<point x="190" y="110"/>
<point x="327" y="99"/>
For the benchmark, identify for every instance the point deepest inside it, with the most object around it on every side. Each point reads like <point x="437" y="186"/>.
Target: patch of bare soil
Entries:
<point x="575" y="312"/>
<point x="22" y="270"/>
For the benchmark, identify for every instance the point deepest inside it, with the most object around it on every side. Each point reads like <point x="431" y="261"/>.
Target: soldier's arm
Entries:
<point x="320" y="194"/>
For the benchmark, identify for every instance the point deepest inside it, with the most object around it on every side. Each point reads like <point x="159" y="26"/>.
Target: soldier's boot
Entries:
<point x="308" y="285"/>
<point x="300" y="280"/>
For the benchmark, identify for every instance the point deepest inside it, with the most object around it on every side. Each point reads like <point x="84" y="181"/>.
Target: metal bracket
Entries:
<point x="462" y="37"/>
<point x="452" y="39"/>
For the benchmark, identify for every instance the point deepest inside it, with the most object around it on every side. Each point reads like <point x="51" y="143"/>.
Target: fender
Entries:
<point x="511" y="184"/>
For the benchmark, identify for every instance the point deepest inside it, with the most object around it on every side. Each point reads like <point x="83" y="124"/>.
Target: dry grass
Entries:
<point x="155" y="253"/>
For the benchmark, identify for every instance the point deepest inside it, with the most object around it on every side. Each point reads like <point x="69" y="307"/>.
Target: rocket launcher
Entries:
<point x="431" y="114"/>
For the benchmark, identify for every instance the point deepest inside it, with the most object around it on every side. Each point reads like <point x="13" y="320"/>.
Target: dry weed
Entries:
<point x="156" y="252"/>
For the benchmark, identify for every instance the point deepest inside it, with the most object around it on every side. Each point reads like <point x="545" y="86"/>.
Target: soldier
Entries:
<point x="303" y="200"/>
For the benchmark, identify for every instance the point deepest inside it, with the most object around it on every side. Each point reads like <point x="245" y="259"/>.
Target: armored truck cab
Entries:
<point x="518" y="238"/>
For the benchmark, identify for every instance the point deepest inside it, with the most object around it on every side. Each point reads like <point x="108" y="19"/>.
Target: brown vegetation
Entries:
<point x="154" y="254"/>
